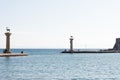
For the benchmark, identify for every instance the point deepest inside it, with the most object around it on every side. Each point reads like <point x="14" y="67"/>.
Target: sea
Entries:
<point x="51" y="64"/>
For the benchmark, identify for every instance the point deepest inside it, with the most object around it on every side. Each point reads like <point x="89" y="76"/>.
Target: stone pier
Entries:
<point x="115" y="49"/>
<point x="7" y="51"/>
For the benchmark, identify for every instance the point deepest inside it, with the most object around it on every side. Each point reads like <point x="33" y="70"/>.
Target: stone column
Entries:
<point x="71" y="44"/>
<point x="7" y="50"/>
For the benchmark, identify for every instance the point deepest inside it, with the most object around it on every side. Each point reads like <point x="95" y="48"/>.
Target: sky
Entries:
<point x="50" y="23"/>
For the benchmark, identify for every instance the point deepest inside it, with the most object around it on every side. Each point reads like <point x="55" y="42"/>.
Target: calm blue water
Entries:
<point x="50" y="64"/>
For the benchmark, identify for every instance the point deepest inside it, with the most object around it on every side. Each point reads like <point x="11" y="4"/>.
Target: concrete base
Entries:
<point x="99" y="51"/>
<point x="12" y="54"/>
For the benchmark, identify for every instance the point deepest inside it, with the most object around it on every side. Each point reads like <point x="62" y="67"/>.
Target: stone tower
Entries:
<point x="71" y="44"/>
<point x="7" y="50"/>
<point x="117" y="44"/>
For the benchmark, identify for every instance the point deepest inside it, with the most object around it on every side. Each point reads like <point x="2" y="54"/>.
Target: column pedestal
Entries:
<point x="7" y="50"/>
<point x="71" y="44"/>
